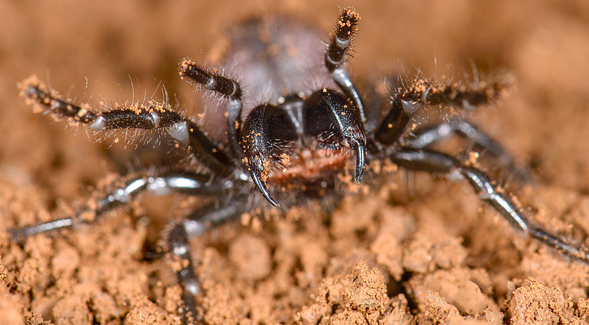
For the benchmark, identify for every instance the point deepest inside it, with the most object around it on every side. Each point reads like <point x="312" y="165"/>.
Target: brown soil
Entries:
<point x="436" y="255"/>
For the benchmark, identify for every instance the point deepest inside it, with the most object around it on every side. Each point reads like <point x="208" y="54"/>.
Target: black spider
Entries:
<point x="296" y="145"/>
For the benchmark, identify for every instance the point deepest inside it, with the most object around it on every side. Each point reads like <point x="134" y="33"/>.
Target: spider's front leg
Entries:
<point x="228" y="88"/>
<point x="409" y="100"/>
<point x="149" y="115"/>
<point x="435" y="162"/>
<point x="339" y="46"/>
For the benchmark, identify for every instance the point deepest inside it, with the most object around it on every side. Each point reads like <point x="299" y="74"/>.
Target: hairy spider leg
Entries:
<point x="226" y="87"/>
<point x="407" y="101"/>
<point x="171" y="182"/>
<point x="430" y="135"/>
<point x="340" y="45"/>
<point x="436" y="162"/>
<point x="149" y="115"/>
<point x="194" y="225"/>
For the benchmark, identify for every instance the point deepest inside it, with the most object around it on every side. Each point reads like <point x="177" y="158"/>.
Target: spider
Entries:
<point x="292" y="146"/>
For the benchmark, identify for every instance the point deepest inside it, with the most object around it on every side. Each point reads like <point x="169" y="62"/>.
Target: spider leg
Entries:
<point x="194" y="225"/>
<point x="395" y="122"/>
<point x="436" y="162"/>
<point x="408" y="100"/>
<point x="430" y="135"/>
<point x="149" y="115"/>
<point x="339" y="46"/>
<point x="226" y="87"/>
<point x="188" y="183"/>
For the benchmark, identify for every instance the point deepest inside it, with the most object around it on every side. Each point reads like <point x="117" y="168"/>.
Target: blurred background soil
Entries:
<point x="432" y="254"/>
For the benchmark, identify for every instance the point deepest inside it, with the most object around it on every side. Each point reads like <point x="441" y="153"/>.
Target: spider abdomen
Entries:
<point x="275" y="56"/>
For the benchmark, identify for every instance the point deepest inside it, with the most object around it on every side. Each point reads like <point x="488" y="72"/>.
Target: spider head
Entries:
<point x="301" y="144"/>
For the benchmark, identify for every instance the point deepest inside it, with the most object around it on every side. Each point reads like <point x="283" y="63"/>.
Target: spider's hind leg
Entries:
<point x="436" y="162"/>
<point x="188" y="183"/>
<point x="194" y="225"/>
<point x="478" y="140"/>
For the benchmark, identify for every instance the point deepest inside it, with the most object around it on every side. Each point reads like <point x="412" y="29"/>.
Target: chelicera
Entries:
<point x="294" y="145"/>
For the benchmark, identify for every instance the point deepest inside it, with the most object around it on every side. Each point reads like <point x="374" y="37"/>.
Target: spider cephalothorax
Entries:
<point x="298" y="143"/>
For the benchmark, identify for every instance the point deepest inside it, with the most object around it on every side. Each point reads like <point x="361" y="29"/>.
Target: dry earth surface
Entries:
<point x="424" y="251"/>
